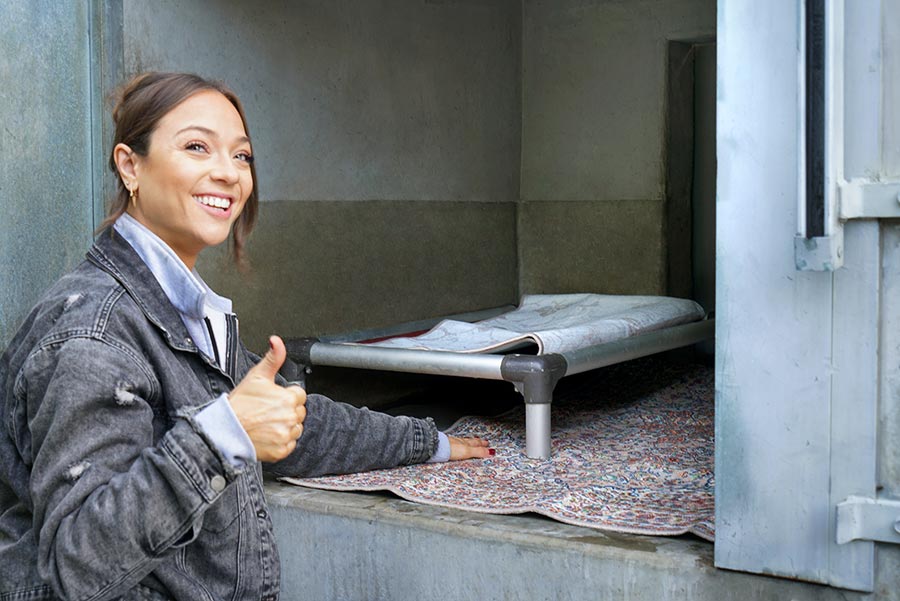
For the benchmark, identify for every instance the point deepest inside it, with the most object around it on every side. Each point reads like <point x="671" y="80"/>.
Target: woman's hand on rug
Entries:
<point x="469" y="448"/>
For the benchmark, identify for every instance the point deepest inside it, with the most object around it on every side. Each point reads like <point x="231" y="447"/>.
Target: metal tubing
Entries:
<point x="490" y="367"/>
<point x="534" y="375"/>
<point x="601" y="355"/>
<point x="537" y="430"/>
<point x="407" y="360"/>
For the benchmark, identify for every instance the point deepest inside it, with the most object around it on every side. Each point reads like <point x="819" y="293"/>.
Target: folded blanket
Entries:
<point x="556" y="323"/>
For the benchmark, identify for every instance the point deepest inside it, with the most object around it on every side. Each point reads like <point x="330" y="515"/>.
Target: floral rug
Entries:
<point x="632" y="451"/>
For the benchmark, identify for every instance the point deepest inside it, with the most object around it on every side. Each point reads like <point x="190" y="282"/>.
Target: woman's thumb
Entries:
<point x="273" y="360"/>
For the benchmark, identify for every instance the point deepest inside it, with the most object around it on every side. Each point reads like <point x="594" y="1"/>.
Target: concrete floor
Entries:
<point x="373" y="546"/>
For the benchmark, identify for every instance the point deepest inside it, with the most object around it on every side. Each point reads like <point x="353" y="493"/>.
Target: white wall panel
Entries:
<point x="773" y="343"/>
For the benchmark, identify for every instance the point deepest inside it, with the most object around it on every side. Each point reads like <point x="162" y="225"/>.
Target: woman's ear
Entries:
<point x="126" y="163"/>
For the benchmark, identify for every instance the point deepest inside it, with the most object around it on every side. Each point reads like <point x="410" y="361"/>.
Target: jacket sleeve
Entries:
<point x="339" y="439"/>
<point x="109" y="504"/>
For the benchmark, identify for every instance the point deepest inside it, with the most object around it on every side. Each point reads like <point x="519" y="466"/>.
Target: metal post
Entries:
<point x="537" y="430"/>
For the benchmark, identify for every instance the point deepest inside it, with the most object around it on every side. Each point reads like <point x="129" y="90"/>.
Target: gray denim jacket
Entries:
<point x="108" y="488"/>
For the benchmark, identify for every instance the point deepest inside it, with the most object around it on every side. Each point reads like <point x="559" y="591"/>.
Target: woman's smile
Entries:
<point x="223" y="203"/>
<point x="216" y="205"/>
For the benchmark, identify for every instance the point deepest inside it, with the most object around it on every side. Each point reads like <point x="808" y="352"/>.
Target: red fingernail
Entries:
<point x="492" y="451"/>
<point x="271" y="346"/>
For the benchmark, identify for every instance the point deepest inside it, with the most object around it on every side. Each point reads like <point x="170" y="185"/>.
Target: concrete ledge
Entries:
<point x="371" y="546"/>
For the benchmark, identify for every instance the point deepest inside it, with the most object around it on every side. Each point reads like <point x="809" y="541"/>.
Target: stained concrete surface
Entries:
<point x="610" y="247"/>
<point x="374" y="546"/>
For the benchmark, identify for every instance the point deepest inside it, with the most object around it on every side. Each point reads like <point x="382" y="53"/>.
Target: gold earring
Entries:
<point x="131" y="195"/>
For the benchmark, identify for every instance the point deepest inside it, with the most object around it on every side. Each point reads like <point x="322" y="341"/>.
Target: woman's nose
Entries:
<point x="225" y="170"/>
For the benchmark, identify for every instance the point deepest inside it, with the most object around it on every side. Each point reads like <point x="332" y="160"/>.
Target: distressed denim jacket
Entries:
<point x="108" y="487"/>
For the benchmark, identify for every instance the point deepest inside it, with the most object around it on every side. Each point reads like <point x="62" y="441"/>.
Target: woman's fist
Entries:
<point x="272" y="415"/>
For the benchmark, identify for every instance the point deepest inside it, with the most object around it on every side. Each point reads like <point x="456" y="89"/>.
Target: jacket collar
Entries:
<point x="114" y="255"/>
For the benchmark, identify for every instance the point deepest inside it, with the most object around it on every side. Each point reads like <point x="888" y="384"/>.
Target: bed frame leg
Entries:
<point x="535" y="377"/>
<point x="537" y="430"/>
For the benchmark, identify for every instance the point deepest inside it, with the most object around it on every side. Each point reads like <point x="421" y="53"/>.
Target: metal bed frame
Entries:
<point x="534" y="376"/>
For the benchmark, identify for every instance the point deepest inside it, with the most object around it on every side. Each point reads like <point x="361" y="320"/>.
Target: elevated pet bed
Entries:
<point x="572" y="333"/>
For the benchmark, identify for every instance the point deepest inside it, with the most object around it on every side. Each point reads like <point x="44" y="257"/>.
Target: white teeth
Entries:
<point x="214" y="201"/>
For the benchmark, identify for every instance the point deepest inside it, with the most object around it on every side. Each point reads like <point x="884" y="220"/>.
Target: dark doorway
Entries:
<point x="691" y="172"/>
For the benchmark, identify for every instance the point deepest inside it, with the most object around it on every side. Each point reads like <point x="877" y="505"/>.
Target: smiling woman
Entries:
<point x="137" y="422"/>
<point x="195" y="180"/>
<point x="202" y="149"/>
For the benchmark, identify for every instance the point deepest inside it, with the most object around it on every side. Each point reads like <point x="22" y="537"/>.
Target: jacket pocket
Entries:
<point x="227" y="508"/>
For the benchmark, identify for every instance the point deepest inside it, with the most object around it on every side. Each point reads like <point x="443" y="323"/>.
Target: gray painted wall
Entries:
<point x="351" y="100"/>
<point x="388" y="101"/>
<point x="46" y="207"/>
<point x="593" y="119"/>
<point x="439" y="101"/>
<point x="322" y="267"/>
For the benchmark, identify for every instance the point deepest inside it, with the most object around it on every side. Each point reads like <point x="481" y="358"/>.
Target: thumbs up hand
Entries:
<point x="272" y="415"/>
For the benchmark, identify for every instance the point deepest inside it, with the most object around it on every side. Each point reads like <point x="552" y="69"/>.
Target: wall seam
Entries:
<point x="93" y="94"/>
<point x="520" y="198"/>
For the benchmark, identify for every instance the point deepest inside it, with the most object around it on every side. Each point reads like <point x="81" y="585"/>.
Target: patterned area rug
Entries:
<point x="632" y="451"/>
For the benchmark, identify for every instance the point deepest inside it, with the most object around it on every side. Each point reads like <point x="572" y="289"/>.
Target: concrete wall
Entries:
<point x="371" y="263"/>
<point x="457" y="103"/>
<point x="370" y="547"/>
<point x="593" y="133"/>
<point x="46" y="207"/>
<point x="392" y="102"/>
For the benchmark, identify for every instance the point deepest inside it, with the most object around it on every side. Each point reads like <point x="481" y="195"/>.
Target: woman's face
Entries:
<point x="196" y="178"/>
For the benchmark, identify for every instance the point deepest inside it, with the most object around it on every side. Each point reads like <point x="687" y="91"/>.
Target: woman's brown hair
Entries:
<point x="142" y="102"/>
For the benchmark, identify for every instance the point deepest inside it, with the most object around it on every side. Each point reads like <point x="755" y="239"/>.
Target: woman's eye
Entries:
<point x="196" y="146"/>
<point x="244" y="156"/>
